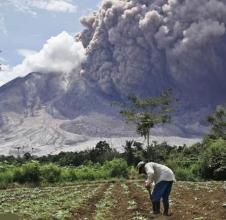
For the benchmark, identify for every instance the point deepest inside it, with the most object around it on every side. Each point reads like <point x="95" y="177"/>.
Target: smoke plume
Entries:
<point x="145" y="45"/>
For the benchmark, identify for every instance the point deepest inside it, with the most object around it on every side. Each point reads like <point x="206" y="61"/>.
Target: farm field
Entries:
<point x="113" y="200"/>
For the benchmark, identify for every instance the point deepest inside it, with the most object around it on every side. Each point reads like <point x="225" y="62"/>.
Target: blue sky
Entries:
<point x="26" y="25"/>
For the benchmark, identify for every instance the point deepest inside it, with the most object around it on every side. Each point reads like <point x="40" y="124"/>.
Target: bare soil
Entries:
<point x="86" y="210"/>
<point x="189" y="201"/>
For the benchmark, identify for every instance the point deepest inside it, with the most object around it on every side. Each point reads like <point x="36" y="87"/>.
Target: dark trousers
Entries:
<point x="162" y="190"/>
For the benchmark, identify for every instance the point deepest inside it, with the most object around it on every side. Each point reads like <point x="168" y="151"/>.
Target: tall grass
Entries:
<point x="35" y="173"/>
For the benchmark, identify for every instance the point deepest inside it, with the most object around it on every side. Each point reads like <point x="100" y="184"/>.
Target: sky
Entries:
<point x="33" y="31"/>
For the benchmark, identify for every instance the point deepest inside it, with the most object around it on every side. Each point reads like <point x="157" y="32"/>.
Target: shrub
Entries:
<point x="184" y="174"/>
<point x="220" y="173"/>
<point x="117" y="168"/>
<point x="133" y="174"/>
<point x="85" y="173"/>
<point x="6" y="178"/>
<point x="213" y="159"/>
<point x="50" y="173"/>
<point x="28" y="173"/>
<point x="184" y="168"/>
<point x="69" y="174"/>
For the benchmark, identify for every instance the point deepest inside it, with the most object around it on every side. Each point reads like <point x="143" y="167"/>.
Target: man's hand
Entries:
<point x="148" y="187"/>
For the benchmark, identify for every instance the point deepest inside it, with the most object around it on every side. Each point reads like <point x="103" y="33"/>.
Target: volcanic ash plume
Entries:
<point x="145" y="45"/>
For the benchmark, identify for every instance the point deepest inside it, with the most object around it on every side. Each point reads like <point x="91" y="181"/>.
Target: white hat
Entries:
<point x="140" y="164"/>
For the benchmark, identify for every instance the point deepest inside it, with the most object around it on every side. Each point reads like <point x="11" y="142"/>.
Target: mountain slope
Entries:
<point x="132" y="46"/>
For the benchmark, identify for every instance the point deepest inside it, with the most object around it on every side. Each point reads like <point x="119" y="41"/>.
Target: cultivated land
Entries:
<point x="113" y="200"/>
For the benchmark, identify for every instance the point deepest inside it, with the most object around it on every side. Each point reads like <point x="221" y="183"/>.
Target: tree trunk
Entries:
<point x="148" y="136"/>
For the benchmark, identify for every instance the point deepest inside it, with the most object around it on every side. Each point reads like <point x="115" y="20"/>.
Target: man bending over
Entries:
<point x="161" y="178"/>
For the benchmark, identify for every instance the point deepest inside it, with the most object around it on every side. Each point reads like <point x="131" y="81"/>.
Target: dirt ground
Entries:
<point x="189" y="201"/>
<point x="86" y="210"/>
<point x="201" y="201"/>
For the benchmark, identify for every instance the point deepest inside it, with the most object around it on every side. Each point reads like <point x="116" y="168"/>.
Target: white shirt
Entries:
<point x="158" y="172"/>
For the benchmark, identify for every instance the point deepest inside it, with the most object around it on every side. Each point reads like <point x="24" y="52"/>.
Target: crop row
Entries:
<point x="115" y="200"/>
<point x="88" y="201"/>
<point x="46" y="203"/>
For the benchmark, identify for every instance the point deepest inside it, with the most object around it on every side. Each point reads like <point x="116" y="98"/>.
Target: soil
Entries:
<point x="189" y="201"/>
<point x="142" y="199"/>
<point x="202" y="201"/>
<point x="86" y="210"/>
<point x="121" y="211"/>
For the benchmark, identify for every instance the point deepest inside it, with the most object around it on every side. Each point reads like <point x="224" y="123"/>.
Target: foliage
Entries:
<point x="148" y="112"/>
<point x="6" y="178"/>
<point x="218" y="123"/>
<point x="101" y="153"/>
<point x="27" y="173"/>
<point x="213" y="160"/>
<point x="133" y="152"/>
<point x="117" y="168"/>
<point x="50" y="173"/>
<point x="35" y="173"/>
<point x="45" y="203"/>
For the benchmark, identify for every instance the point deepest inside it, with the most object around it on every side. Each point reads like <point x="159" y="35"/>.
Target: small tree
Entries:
<point x="133" y="152"/>
<point x="148" y="112"/>
<point x="218" y="123"/>
<point x="101" y="152"/>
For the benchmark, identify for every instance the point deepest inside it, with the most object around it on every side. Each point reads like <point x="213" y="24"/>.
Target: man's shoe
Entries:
<point x="167" y="214"/>
<point x="154" y="215"/>
<point x="156" y="208"/>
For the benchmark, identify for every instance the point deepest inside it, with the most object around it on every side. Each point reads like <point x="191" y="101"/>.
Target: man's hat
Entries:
<point x="140" y="164"/>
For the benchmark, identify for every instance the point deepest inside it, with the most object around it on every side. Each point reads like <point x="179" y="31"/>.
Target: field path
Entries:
<point x="86" y="210"/>
<point x="142" y="200"/>
<point x="121" y="196"/>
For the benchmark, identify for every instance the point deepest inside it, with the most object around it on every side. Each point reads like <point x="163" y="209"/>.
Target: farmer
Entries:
<point x="159" y="182"/>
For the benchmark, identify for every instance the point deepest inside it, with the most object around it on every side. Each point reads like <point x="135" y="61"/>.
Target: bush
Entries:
<point x="28" y="173"/>
<point x="85" y="173"/>
<point x="220" y="173"/>
<point x="69" y="174"/>
<point x="117" y="168"/>
<point x="133" y="174"/>
<point x="50" y="173"/>
<point x="184" y="168"/>
<point x="212" y="159"/>
<point x="184" y="174"/>
<point x="6" y="178"/>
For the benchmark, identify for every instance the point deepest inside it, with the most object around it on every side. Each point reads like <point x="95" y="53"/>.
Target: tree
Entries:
<point x="101" y="152"/>
<point x="148" y="112"/>
<point x="213" y="160"/>
<point x="27" y="156"/>
<point x="133" y="152"/>
<point x="218" y="123"/>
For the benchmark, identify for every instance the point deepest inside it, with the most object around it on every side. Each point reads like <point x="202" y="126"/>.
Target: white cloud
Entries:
<point x="26" y="52"/>
<point x="60" y="54"/>
<point x="49" y="5"/>
<point x="55" y="5"/>
<point x="5" y="74"/>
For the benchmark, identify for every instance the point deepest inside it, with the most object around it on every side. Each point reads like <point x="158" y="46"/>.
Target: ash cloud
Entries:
<point x="145" y="45"/>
